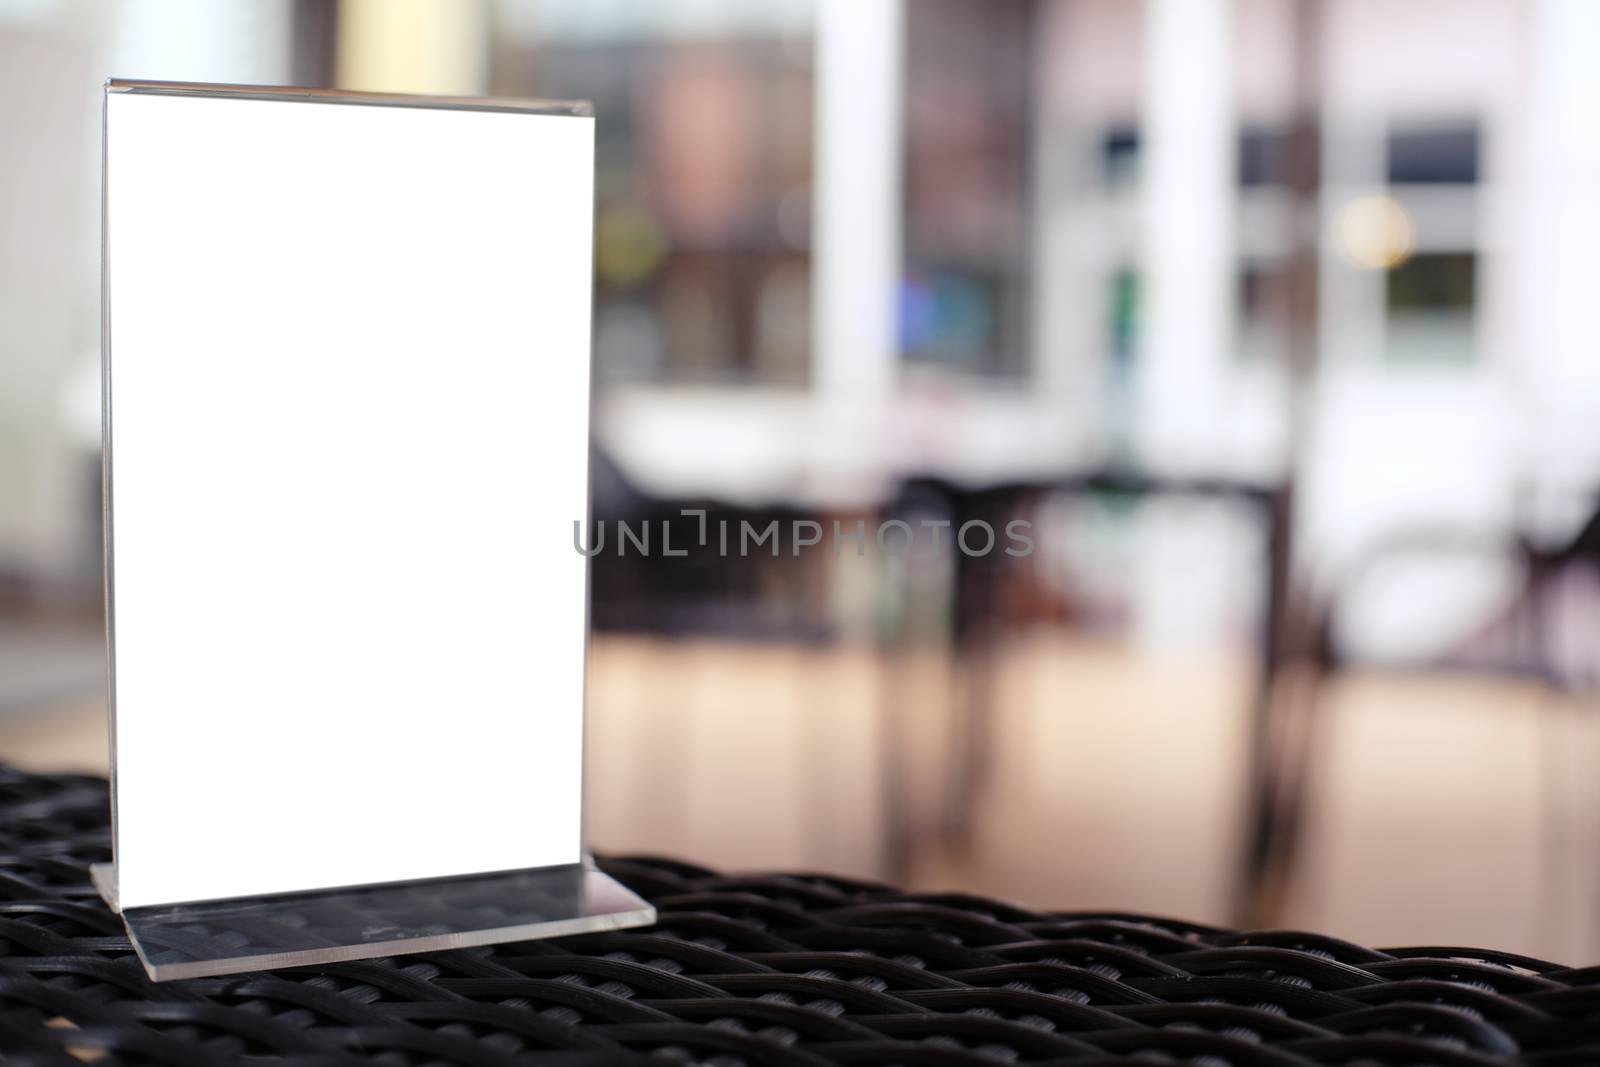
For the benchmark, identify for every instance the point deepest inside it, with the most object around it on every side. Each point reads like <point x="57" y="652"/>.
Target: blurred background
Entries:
<point x="1274" y="317"/>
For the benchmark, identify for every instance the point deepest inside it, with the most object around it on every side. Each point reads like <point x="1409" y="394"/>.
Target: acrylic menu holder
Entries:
<point x="345" y="344"/>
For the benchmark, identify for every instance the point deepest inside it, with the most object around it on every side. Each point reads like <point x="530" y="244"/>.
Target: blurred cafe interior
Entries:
<point x="1274" y="318"/>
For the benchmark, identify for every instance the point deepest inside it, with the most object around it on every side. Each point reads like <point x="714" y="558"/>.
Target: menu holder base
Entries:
<point x="231" y="936"/>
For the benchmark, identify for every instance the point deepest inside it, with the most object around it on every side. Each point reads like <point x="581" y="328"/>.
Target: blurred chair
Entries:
<point x="963" y="604"/>
<point x="1524" y="641"/>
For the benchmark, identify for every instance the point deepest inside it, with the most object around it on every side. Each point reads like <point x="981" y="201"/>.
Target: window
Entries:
<point x="1265" y="235"/>
<point x="1263" y="157"/>
<point x="703" y="188"/>
<point x="1263" y="306"/>
<point x="1433" y="282"/>
<point x="969" y="108"/>
<point x="1119" y="156"/>
<point x="1122" y="319"/>
<point x="1438" y="155"/>
<point x="1430" y="295"/>
<point x="1430" y="300"/>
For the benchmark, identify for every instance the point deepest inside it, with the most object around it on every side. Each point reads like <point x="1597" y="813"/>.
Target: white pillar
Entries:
<point x="202" y="40"/>
<point x="414" y="46"/>
<point x="855" y="247"/>
<point x="1554" y="246"/>
<point x="857" y="203"/>
<point x="1187" y="283"/>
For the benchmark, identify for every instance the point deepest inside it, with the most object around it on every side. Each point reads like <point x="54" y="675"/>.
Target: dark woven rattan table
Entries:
<point x="768" y="969"/>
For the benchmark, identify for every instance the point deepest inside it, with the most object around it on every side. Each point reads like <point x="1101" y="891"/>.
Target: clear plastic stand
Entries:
<point x="301" y="929"/>
<point x="346" y="355"/>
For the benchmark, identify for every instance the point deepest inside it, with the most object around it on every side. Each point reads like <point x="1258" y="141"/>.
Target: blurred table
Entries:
<point x="764" y="969"/>
<point x="980" y="622"/>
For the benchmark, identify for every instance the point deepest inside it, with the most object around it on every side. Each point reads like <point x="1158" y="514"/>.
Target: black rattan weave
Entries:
<point x="770" y="969"/>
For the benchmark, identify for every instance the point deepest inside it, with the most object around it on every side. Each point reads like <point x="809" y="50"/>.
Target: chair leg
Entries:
<point x="1288" y="719"/>
<point x="1253" y="895"/>
<point x="971" y="751"/>
<point x="981" y="626"/>
<point x="898" y="830"/>
<point x="1304" y="724"/>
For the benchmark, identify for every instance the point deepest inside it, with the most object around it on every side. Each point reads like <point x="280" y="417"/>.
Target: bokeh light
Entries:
<point x="1374" y="233"/>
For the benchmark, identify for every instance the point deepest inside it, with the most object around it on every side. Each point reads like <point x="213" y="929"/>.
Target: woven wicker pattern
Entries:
<point x="765" y="970"/>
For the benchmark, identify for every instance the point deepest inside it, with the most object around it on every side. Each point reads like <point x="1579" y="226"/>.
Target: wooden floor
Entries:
<point x="1449" y="811"/>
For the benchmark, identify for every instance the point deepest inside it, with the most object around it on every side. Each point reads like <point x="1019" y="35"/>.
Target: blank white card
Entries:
<point x="347" y="389"/>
